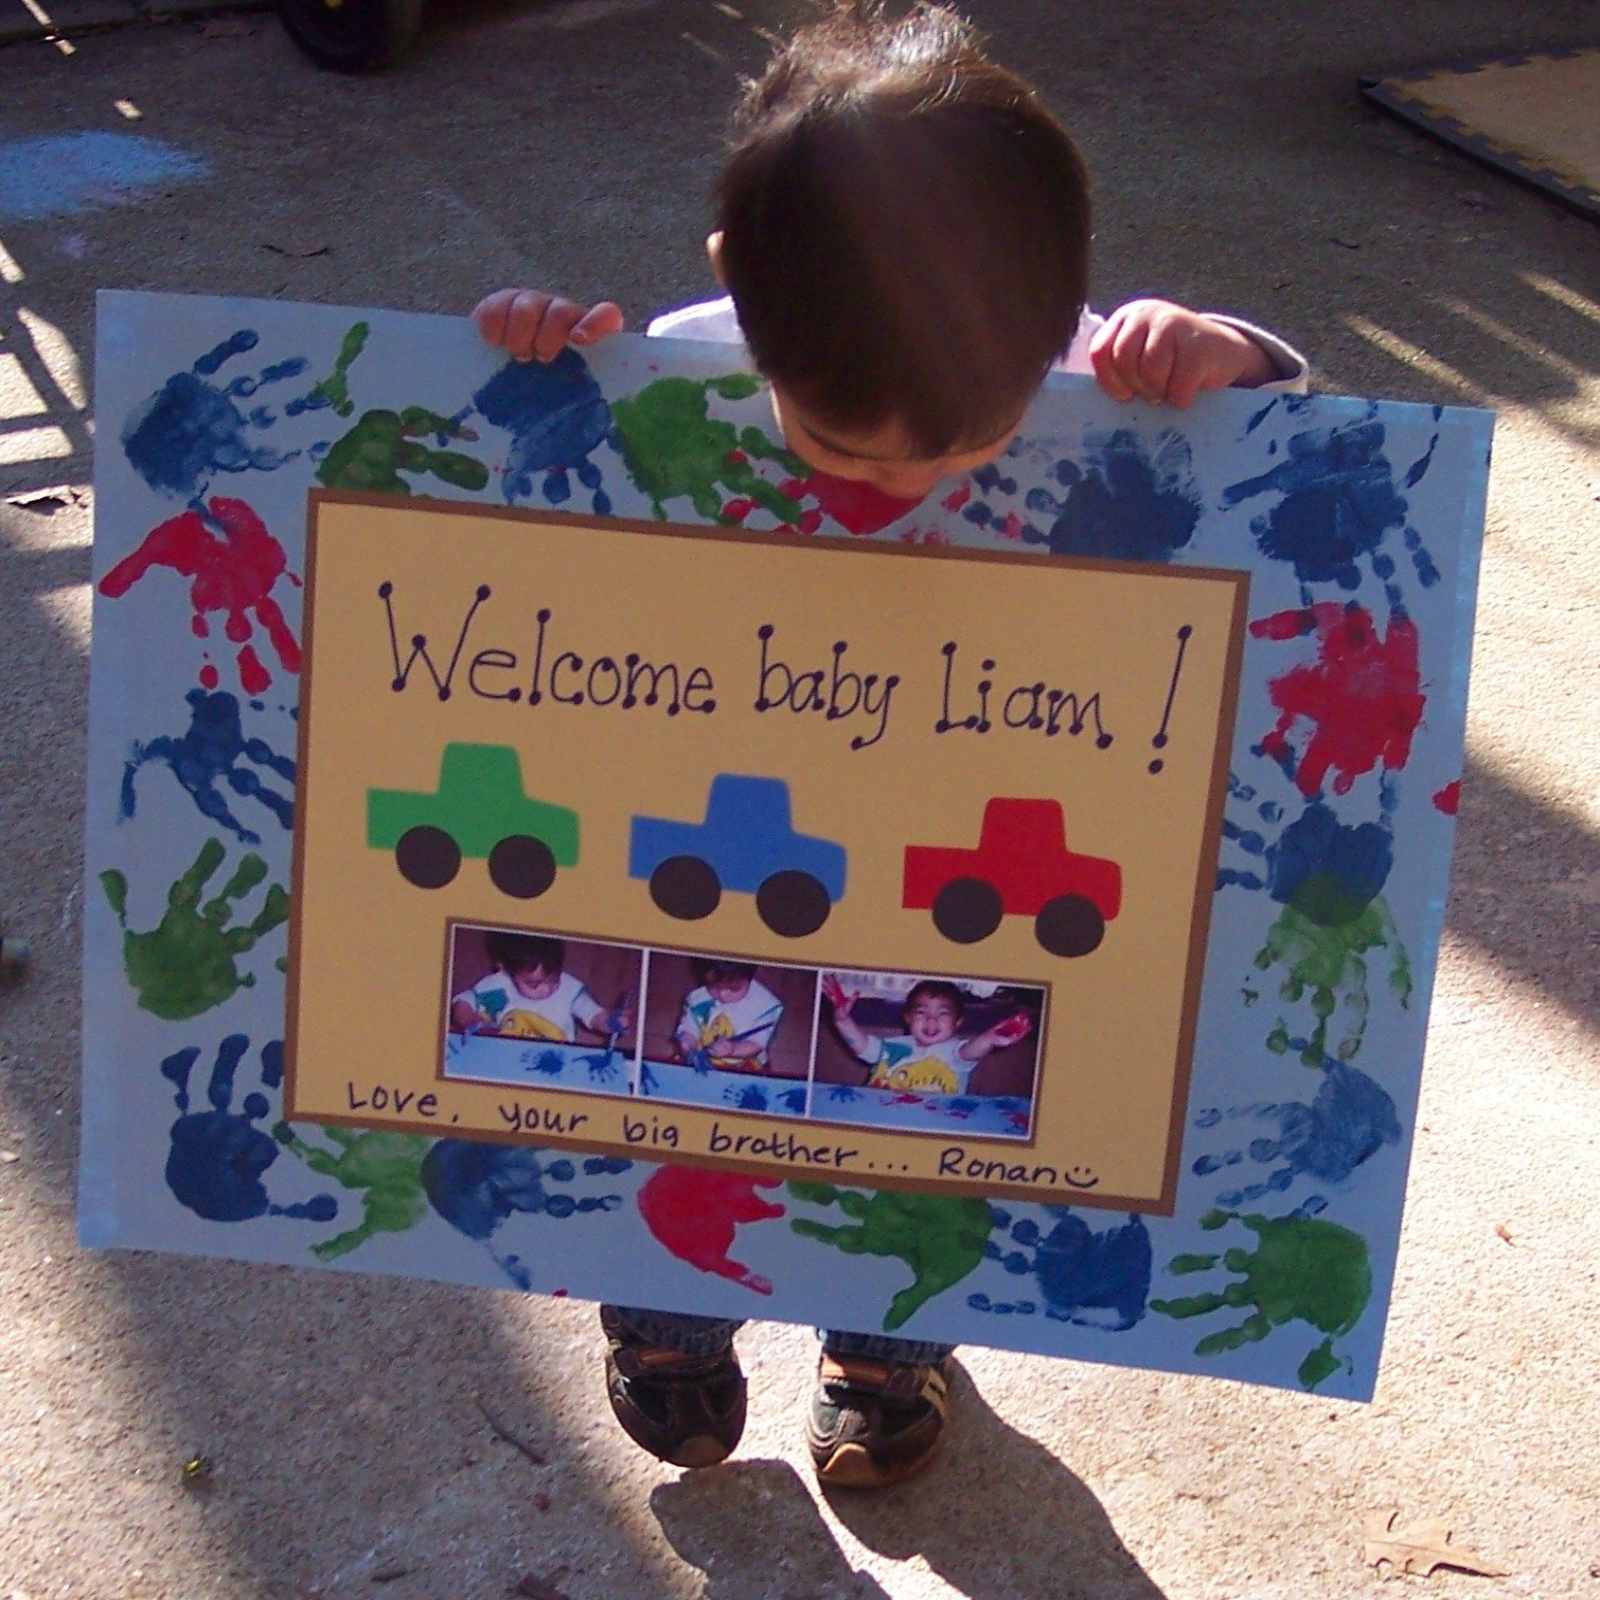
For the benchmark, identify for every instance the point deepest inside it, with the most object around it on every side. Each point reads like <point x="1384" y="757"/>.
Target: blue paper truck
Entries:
<point x="746" y="844"/>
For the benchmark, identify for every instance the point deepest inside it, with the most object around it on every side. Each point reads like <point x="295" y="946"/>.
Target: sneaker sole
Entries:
<point x="851" y="1466"/>
<point x="701" y="1452"/>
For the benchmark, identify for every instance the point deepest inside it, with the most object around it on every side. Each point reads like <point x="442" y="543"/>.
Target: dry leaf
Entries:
<point x="46" y="502"/>
<point x="8" y="1156"/>
<point x="1504" y="1232"/>
<point x="533" y="1587"/>
<point x="1346" y="244"/>
<point x="388" y="1574"/>
<point x="303" y="248"/>
<point x="1420" y="1548"/>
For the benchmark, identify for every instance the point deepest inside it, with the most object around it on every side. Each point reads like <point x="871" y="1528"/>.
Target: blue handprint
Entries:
<point x="557" y="418"/>
<point x="214" y="750"/>
<point x="1097" y="1280"/>
<point x="1125" y="499"/>
<point x="477" y="1188"/>
<point x="1348" y="1121"/>
<point x="218" y="1156"/>
<point x="1337" y="503"/>
<point x="192" y="428"/>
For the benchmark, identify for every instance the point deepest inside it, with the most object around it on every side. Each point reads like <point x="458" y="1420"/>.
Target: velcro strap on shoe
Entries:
<point x="648" y="1360"/>
<point x="891" y="1379"/>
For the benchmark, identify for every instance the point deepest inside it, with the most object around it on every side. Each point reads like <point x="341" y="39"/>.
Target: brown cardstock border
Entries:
<point x="1199" y="922"/>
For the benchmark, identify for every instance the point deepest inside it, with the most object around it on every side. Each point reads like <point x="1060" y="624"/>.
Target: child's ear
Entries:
<point x="714" y="256"/>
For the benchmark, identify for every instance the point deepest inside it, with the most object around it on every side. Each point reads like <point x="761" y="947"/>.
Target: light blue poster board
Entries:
<point x="1359" y="525"/>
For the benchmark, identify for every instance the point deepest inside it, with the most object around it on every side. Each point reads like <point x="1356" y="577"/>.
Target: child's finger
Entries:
<point x="1102" y="357"/>
<point x="561" y="316"/>
<point x="524" y="318"/>
<point x="598" y="322"/>
<point x="1157" y="357"/>
<point x="490" y="313"/>
<point x="1189" y="377"/>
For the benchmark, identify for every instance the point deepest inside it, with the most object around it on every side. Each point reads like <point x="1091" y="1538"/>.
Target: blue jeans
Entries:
<point x="703" y="1336"/>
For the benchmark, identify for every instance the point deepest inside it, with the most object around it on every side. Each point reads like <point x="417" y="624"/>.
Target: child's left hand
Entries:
<point x="1010" y="1030"/>
<point x="1156" y="351"/>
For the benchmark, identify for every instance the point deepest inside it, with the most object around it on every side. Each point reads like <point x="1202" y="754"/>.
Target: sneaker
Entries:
<point x="687" y="1410"/>
<point x="873" y="1423"/>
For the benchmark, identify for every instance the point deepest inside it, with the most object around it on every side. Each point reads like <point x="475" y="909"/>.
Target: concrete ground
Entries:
<point x="570" y="143"/>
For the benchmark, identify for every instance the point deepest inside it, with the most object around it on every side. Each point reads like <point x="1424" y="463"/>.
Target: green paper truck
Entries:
<point x="480" y="810"/>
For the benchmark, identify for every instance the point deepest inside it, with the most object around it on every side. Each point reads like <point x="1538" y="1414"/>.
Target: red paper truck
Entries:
<point x="1022" y="867"/>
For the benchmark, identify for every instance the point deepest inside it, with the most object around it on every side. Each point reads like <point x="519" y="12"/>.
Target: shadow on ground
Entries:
<point x="998" y="1517"/>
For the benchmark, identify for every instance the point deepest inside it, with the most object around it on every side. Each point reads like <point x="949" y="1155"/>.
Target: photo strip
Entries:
<point x="902" y="1052"/>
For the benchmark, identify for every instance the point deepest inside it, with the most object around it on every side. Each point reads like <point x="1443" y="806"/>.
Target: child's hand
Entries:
<point x="833" y="992"/>
<point x="530" y="325"/>
<point x="1011" y="1029"/>
<point x="1156" y="351"/>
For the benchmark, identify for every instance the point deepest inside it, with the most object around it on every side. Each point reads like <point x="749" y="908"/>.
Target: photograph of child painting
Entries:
<point x="532" y="986"/>
<point x="715" y="1014"/>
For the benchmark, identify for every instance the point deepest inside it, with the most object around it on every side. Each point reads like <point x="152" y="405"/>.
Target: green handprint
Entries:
<point x="334" y="390"/>
<point x="385" y="1167"/>
<point x="188" y="962"/>
<point x="1302" y="1270"/>
<point x="941" y="1239"/>
<point x="383" y="444"/>
<point x="673" y="449"/>
<point x="1328" y="961"/>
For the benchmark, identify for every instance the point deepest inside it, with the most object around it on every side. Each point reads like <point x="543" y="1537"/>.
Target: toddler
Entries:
<point x="928" y="1056"/>
<point x="903" y="234"/>
<point x="729" y="1020"/>
<point x="530" y="995"/>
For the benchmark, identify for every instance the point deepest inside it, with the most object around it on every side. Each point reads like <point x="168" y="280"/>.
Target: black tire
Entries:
<point x="793" y="904"/>
<point x="522" y="866"/>
<point x="1069" y="926"/>
<point x="686" y="887"/>
<point x="967" y="910"/>
<point x="428" y="858"/>
<point x="352" y="35"/>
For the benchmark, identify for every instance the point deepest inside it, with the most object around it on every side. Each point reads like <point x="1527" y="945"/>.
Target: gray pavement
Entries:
<point x="570" y="144"/>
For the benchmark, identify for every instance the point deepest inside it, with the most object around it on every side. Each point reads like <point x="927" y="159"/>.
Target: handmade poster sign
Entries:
<point x="530" y="808"/>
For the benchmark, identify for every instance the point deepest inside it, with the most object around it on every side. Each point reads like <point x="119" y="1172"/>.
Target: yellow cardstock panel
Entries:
<point x="1142" y="650"/>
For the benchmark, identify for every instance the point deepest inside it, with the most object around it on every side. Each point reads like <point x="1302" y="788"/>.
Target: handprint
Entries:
<point x="235" y="564"/>
<point x="1350" y="1119"/>
<point x="385" y="1167"/>
<point x="218" y="1156"/>
<point x="1338" y="501"/>
<point x="674" y="450"/>
<point x="384" y="444"/>
<point x="188" y="962"/>
<point x="477" y="1188"/>
<point x="557" y="418"/>
<point x="191" y="428"/>
<point x="941" y="1239"/>
<point x="213" y="750"/>
<point x="1302" y="1270"/>
<point x="1097" y="1280"/>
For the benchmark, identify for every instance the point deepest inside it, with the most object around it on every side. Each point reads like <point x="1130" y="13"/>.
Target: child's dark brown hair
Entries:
<point x="525" y="952"/>
<point x="905" y="229"/>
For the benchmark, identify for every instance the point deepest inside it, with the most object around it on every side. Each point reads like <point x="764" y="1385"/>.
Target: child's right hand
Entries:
<point x="531" y="325"/>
